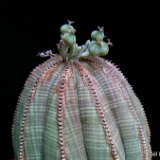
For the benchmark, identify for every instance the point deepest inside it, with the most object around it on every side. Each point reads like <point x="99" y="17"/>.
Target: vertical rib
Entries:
<point x="89" y="81"/>
<point x="61" y="89"/>
<point x="27" y="107"/>
<point x="131" y="94"/>
<point x="75" y="145"/>
<point x="101" y="64"/>
<point x="34" y="76"/>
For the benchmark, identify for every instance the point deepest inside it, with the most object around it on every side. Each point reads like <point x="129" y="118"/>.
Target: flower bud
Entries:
<point x="67" y="28"/>
<point x="97" y="35"/>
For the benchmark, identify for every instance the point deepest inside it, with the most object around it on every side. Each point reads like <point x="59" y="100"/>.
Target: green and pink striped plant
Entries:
<point x="78" y="106"/>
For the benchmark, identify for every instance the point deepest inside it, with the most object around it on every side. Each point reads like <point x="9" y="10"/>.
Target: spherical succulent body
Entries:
<point x="78" y="107"/>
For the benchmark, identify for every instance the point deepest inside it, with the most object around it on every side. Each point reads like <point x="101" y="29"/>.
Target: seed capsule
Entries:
<point x="97" y="35"/>
<point x="98" y="49"/>
<point x="69" y="38"/>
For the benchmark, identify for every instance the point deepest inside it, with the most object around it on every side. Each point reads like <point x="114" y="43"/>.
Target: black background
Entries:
<point x="27" y="28"/>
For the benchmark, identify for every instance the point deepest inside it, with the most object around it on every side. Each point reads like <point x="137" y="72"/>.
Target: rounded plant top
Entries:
<point x="70" y="50"/>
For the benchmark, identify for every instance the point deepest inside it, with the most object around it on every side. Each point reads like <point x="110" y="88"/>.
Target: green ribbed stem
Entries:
<point x="78" y="106"/>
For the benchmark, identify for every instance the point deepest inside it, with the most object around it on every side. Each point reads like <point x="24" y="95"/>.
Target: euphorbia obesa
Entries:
<point x="78" y="106"/>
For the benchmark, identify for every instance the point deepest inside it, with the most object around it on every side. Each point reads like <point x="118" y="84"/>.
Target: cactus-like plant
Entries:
<point x="78" y="106"/>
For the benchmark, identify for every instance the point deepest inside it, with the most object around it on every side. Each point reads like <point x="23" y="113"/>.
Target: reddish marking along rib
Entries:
<point x="98" y="63"/>
<point x="115" y="70"/>
<point x="60" y="90"/>
<point x="31" y="75"/>
<point x="50" y="61"/>
<point x="89" y="81"/>
<point x="52" y="68"/>
<point x="55" y="60"/>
